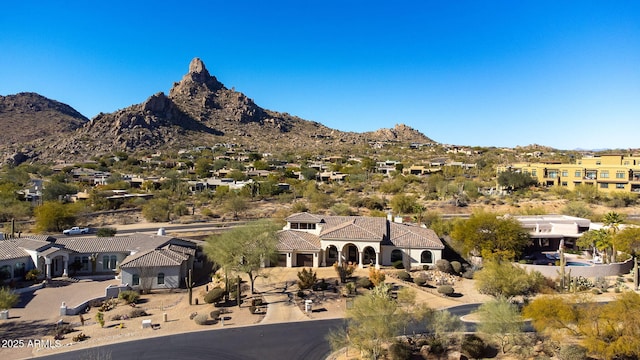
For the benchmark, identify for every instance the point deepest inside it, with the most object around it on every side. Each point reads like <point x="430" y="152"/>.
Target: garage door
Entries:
<point x="305" y="260"/>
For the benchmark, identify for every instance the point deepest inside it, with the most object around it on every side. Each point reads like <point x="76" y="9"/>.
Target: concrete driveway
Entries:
<point x="44" y="304"/>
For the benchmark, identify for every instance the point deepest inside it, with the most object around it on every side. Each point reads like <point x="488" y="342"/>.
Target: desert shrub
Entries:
<point x="106" y="232"/>
<point x="376" y="276"/>
<point x="129" y="296"/>
<point x="137" y="313"/>
<point x="321" y="286"/>
<point x="446" y="290"/>
<point x="60" y="330"/>
<point x="118" y="317"/>
<point x="364" y="282"/>
<point x="474" y="347"/>
<point x="404" y="276"/>
<point x="201" y="319"/>
<point x="456" y="266"/>
<point x="79" y="337"/>
<point x="214" y="314"/>
<point x="108" y="305"/>
<point x="100" y="318"/>
<point x="444" y="266"/>
<point x="306" y="279"/>
<point x="572" y="351"/>
<point x="420" y="281"/>
<point x="468" y="273"/>
<point x="398" y="264"/>
<point x="301" y="294"/>
<point x="32" y="275"/>
<point x="214" y="295"/>
<point x="399" y="350"/>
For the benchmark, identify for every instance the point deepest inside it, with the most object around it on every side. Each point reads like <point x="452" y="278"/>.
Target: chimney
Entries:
<point x="389" y="216"/>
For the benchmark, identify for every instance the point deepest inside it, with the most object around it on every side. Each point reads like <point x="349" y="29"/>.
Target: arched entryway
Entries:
<point x="331" y="255"/>
<point x="350" y="253"/>
<point x="369" y="256"/>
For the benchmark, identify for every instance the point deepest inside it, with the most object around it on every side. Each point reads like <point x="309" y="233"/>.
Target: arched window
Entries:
<point x="426" y="257"/>
<point x="160" y="278"/>
<point x="396" y="255"/>
<point x="135" y="280"/>
<point x="105" y="262"/>
<point x="113" y="262"/>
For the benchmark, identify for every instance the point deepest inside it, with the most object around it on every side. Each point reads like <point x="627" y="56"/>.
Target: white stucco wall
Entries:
<point x="172" y="277"/>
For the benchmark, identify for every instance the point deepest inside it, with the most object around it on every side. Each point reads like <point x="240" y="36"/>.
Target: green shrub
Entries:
<point x="106" y="232"/>
<point x="420" y="281"/>
<point x="214" y="314"/>
<point x="404" y="276"/>
<point x="444" y="266"/>
<point x="400" y="350"/>
<point x="32" y="275"/>
<point x="100" y="318"/>
<point x="446" y="290"/>
<point x="456" y="266"/>
<point x="306" y="279"/>
<point x="79" y="337"/>
<point x="572" y="351"/>
<point x="474" y="347"/>
<point x="201" y="319"/>
<point x="137" y="313"/>
<point x="214" y="295"/>
<point x="398" y="264"/>
<point x="129" y="296"/>
<point x="364" y="282"/>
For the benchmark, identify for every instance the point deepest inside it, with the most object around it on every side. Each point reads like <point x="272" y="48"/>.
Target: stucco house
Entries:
<point x="320" y="240"/>
<point x="134" y="257"/>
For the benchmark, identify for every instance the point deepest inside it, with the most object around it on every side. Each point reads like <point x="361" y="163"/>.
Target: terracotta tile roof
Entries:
<point x="9" y="249"/>
<point x="181" y="249"/>
<point x="413" y="236"/>
<point x="133" y="243"/>
<point x="154" y="258"/>
<point x="305" y="218"/>
<point x="29" y="243"/>
<point x="297" y="240"/>
<point x="356" y="229"/>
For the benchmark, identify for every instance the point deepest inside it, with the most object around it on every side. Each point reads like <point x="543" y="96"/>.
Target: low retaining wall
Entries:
<point x="110" y="292"/>
<point x="593" y="271"/>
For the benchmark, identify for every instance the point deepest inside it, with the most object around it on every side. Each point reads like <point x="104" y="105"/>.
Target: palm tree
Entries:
<point x="598" y="240"/>
<point x="612" y="220"/>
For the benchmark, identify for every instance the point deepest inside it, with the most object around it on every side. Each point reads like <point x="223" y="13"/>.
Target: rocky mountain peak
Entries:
<point x="197" y="80"/>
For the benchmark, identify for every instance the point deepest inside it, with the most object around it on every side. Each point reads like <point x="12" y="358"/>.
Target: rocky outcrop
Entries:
<point x="199" y="110"/>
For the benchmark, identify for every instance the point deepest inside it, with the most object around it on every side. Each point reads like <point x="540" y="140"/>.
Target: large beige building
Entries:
<point x="606" y="172"/>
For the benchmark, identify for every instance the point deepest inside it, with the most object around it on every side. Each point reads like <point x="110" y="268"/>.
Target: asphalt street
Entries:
<point x="300" y="340"/>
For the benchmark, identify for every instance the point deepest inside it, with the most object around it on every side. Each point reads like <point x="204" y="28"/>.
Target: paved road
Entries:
<point x="300" y="340"/>
<point x="297" y="340"/>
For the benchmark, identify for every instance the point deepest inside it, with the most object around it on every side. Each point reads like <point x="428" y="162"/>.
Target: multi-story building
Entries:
<point x="606" y="172"/>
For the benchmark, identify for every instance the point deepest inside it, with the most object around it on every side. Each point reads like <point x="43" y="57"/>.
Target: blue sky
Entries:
<point x="489" y="73"/>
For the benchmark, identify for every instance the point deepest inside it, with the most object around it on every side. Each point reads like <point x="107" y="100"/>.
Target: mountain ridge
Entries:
<point x="198" y="110"/>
